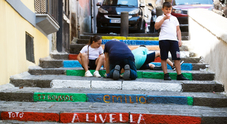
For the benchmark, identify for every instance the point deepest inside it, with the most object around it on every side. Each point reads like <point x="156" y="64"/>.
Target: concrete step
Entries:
<point x="68" y="56"/>
<point x="131" y="47"/>
<point x="185" y="35"/>
<point x="54" y="63"/>
<point x="150" y="74"/>
<point x="75" y="48"/>
<point x="66" y="112"/>
<point x="113" y="96"/>
<point x="145" y="84"/>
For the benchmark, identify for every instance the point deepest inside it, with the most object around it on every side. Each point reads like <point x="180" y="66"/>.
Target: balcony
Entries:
<point x="46" y="12"/>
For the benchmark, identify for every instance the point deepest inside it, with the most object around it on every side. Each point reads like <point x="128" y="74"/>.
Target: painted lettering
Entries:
<point x="116" y="98"/>
<point x="52" y="97"/>
<point x="43" y="96"/>
<point x="49" y="97"/>
<point x="87" y="118"/>
<point x="75" y="117"/>
<point x="103" y="120"/>
<point x="130" y="99"/>
<point x="141" y="118"/>
<point x="143" y="98"/>
<point x="71" y="98"/>
<point x="121" y="118"/>
<point x="66" y="98"/>
<point x="125" y="99"/>
<point x="108" y="98"/>
<point x="39" y="95"/>
<point x="111" y="118"/>
<point x="131" y="119"/>
<point x="16" y="114"/>
<point x="95" y="117"/>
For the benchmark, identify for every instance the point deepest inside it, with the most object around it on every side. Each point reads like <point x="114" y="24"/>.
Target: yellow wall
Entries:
<point x="29" y="4"/>
<point x="13" y="44"/>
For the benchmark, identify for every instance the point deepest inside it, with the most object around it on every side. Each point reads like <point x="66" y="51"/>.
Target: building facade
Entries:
<point x="24" y="36"/>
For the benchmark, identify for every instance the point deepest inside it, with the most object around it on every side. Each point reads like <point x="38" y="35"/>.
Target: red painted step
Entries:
<point x="30" y="116"/>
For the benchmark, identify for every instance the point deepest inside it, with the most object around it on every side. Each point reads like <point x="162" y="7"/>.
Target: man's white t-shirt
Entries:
<point x="93" y="52"/>
<point x="168" y="28"/>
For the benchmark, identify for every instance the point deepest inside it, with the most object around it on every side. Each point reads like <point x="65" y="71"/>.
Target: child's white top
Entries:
<point x="168" y="28"/>
<point x="93" y="52"/>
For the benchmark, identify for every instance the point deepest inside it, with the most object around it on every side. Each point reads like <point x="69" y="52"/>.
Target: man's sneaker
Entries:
<point x="88" y="74"/>
<point x="181" y="77"/>
<point x="116" y="73"/>
<point x="96" y="74"/>
<point x="166" y="76"/>
<point x="126" y="75"/>
<point x="174" y="68"/>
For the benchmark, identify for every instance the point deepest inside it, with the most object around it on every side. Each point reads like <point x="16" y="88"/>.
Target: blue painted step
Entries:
<point x="74" y="64"/>
<point x="136" y="42"/>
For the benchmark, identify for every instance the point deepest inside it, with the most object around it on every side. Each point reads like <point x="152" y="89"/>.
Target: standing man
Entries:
<point x="118" y="56"/>
<point x="169" y="40"/>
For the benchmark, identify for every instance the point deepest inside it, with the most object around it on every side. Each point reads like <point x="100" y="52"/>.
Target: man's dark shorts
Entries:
<point x="150" y="58"/>
<point x="169" y="45"/>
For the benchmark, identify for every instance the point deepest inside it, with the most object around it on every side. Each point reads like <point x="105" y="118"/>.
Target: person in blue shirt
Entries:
<point x="143" y="59"/>
<point x="118" y="56"/>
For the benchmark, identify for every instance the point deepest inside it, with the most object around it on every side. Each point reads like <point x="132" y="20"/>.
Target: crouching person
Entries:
<point x="91" y="56"/>
<point x="118" y="56"/>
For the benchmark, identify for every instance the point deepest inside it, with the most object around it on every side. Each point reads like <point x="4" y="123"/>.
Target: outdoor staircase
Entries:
<point x="56" y="92"/>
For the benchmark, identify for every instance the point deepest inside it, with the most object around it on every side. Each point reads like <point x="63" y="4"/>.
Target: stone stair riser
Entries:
<point x="119" y="85"/>
<point x="113" y="98"/>
<point x="76" y="64"/>
<point x="140" y="74"/>
<point x="88" y="117"/>
<point x="74" y="57"/>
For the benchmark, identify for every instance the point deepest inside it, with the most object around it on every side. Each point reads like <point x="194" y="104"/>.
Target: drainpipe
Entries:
<point x="78" y="19"/>
<point x="60" y="22"/>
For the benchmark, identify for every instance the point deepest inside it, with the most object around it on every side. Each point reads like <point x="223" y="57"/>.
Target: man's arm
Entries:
<point x="179" y="36"/>
<point x="107" y="63"/>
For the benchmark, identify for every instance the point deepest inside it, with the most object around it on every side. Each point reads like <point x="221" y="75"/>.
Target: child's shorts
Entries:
<point x="169" y="45"/>
<point x="92" y="64"/>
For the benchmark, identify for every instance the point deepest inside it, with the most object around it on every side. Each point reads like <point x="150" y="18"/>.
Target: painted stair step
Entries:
<point x="57" y="81"/>
<point x="113" y="96"/>
<point x="53" y="63"/>
<point x="111" y="113"/>
<point x="148" y="41"/>
<point x="151" y="74"/>
<point x="75" y="48"/>
<point x="67" y="56"/>
<point x="132" y="36"/>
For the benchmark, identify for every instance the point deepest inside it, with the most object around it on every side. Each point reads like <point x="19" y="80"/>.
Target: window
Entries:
<point x="29" y="48"/>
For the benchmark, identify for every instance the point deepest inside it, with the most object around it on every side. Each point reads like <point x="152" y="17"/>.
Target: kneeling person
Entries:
<point x="118" y="56"/>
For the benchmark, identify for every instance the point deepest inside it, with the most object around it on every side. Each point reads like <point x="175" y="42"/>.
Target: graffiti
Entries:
<point x="56" y="97"/>
<point x="100" y="116"/>
<point x="94" y="117"/>
<point x="140" y="99"/>
<point x="117" y="98"/>
<point x="16" y="114"/>
<point x="60" y="97"/>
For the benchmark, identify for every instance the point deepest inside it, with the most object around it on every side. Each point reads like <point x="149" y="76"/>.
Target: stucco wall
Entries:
<point x="208" y="38"/>
<point x="13" y="43"/>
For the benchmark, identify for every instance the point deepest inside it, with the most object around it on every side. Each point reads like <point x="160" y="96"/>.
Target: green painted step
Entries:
<point x="140" y="74"/>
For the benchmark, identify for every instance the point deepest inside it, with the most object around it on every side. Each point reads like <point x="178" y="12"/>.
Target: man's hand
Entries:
<point x="180" y="43"/>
